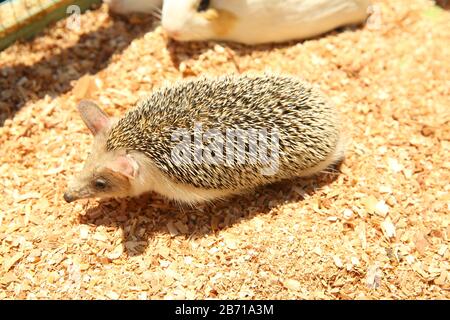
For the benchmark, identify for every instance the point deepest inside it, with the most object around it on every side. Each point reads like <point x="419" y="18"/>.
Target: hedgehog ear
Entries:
<point x="94" y="117"/>
<point x="125" y="165"/>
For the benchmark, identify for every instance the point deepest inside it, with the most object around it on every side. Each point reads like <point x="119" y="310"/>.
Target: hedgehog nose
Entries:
<point x="68" y="197"/>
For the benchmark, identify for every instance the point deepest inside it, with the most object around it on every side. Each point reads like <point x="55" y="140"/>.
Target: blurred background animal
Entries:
<point x="247" y="21"/>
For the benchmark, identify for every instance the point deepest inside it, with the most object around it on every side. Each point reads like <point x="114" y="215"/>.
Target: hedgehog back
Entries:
<point x="304" y="119"/>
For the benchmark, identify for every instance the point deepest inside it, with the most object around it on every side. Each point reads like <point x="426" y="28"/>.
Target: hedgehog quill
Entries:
<point x="208" y="138"/>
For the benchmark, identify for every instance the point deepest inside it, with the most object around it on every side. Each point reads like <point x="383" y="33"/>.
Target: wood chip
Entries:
<point x="361" y="230"/>
<point x="7" y="278"/>
<point x="381" y="208"/>
<point x="338" y="262"/>
<point x="394" y="165"/>
<point x="370" y="203"/>
<point x="421" y="242"/>
<point x="292" y="284"/>
<point x="116" y="253"/>
<point x="112" y="295"/>
<point x="388" y="228"/>
<point x="8" y="263"/>
<point x="28" y="196"/>
<point x="355" y="261"/>
<point x="348" y="213"/>
<point x="318" y="251"/>
<point x="443" y="279"/>
<point x="172" y="229"/>
<point x="84" y="232"/>
<point x="373" y="278"/>
<point x="181" y="227"/>
<point x="100" y="237"/>
<point x="85" y="87"/>
<point x="442" y="250"/>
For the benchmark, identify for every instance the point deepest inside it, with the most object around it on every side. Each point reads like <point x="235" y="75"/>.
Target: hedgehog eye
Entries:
<point x="100" y="184"/>
<point x="203" y="5"/>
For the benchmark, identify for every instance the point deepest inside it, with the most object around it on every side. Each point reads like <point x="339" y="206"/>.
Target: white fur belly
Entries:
<point x="189" y="194"/>
<point x="152" y="179"/>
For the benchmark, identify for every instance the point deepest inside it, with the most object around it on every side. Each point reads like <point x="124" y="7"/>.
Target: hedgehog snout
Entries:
<point x="69" y="197"/>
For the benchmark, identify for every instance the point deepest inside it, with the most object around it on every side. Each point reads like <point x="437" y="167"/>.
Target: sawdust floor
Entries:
<point x="378" y="229"/>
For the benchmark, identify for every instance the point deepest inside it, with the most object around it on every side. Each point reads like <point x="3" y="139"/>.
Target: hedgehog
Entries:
<point x="208" y="138"/>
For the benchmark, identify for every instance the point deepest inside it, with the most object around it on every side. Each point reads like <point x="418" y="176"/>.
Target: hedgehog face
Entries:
<point x="106" y="173"/>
